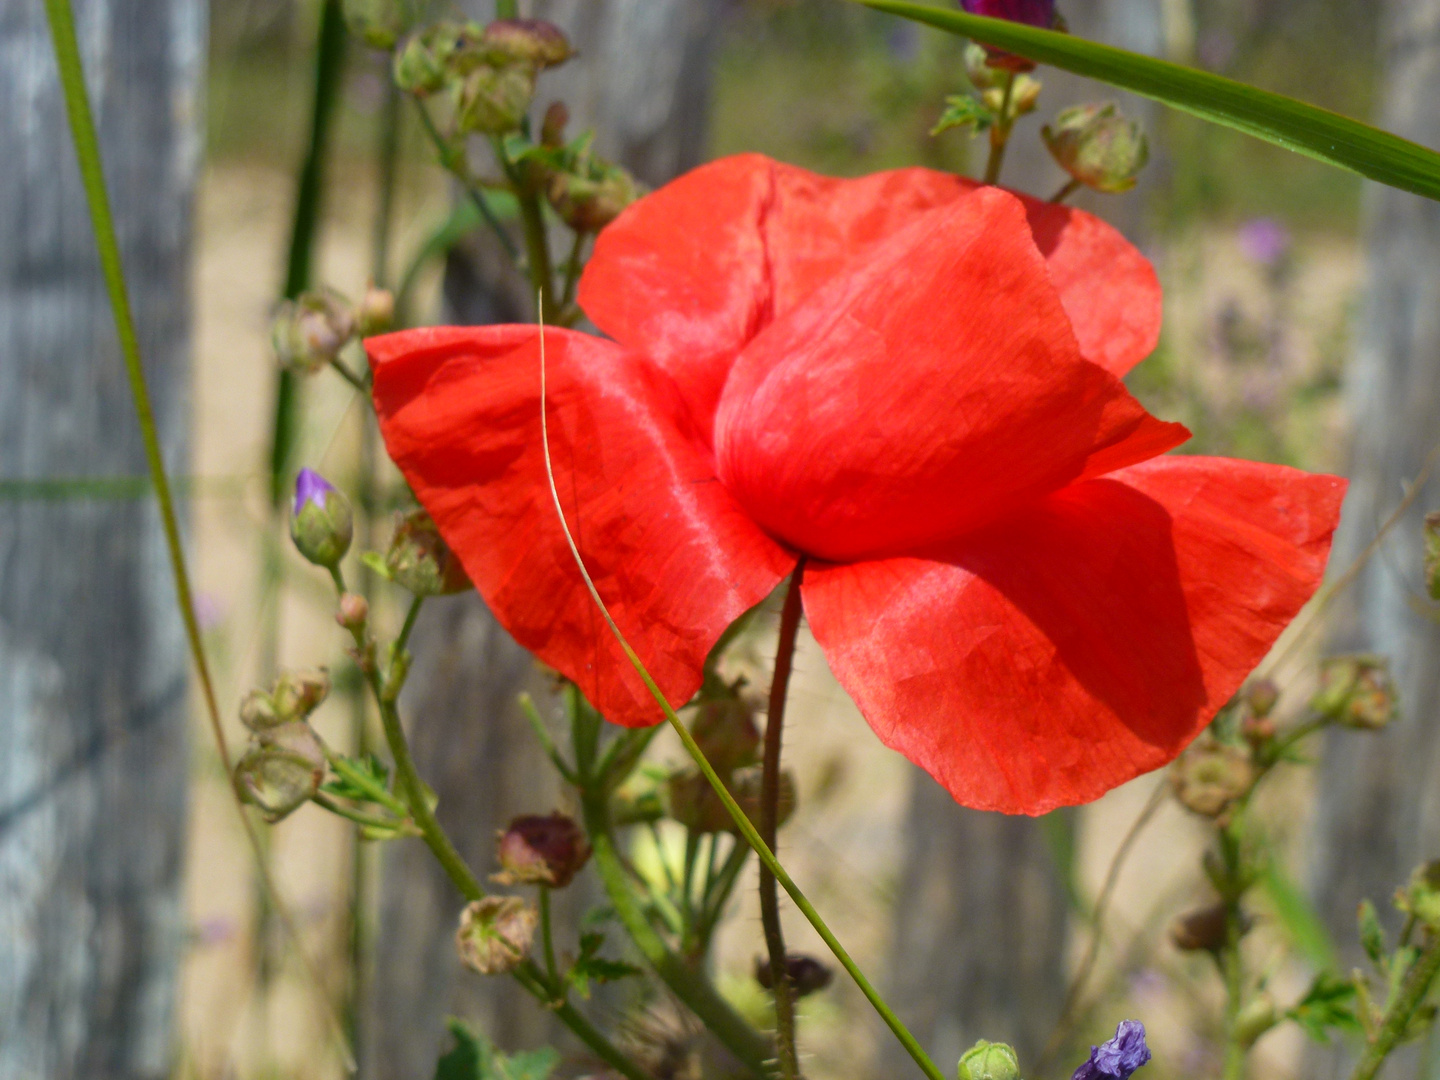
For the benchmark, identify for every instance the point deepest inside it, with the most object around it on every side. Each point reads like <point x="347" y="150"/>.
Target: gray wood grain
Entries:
<point x="642" y="81"/>
<point x="92" y="657"/>
<point x="1379" y="811"/>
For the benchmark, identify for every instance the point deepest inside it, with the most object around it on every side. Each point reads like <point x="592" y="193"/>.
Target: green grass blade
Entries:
<point x="1317" y="133"/>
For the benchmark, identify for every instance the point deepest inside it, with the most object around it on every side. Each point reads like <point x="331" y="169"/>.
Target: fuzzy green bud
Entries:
<point x="1421" y="897"/>
<point x="1209" y="776"/>
<point x="419" y="560"/>
<point x="1356" y="691"/>
<point x="378" y="23"/>
<point x="308" y="332"/>
<point x="493" y="100"/>
<point x="321" y="523"/>
<point x="589" y="200"/>
<point x="989" y="1061"/>
<point x="496" y="933"/>
<point x="423" y="66"/>
<point x="282" y="770"/>
<point x="1098" y="146"/>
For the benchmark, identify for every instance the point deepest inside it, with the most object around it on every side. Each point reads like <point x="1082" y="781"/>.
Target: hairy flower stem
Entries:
<point x="1000" y="133"/>
<point x="1408" y="999"/>
<point x="769" y="825"/>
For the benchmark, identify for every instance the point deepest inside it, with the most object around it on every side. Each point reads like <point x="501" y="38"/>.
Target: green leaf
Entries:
<point x="1299" y="917"/>
<point x="476" y="1058"/>
<point x="376" y="562"/>
<point x="964" y="111"/>
<point x="1372" y="937"/>
<point x="1326" y="1007"/>
<point x="590" y="967"/>
<point x="1284" y="121"/>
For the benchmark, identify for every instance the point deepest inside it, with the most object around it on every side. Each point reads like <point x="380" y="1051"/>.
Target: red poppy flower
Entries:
<point x="914" y="383"/>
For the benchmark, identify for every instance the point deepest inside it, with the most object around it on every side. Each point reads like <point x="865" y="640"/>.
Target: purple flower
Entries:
<point x="1039" y="13"/>
<point x="311" y="487"/>
<point x="1118" y="1058"/>
<point x="1264" y="240"/>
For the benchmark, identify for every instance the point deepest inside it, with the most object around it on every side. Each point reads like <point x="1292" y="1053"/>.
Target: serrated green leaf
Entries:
<point x="1299" y="917"/>
<point x="1275" y="118"/>
<point x="528" y="1065"/>
<point x="1326" y="1007"/>
<point x="376" y="562"/>
<point x="964" y="111"/>
<point x="590" y="967"/>
<point x="1372" y="936"/>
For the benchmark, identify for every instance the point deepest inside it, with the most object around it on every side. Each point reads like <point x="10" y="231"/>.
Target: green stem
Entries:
<point x="769" y="825"/>
<point x="724" y="885"/>
<point x="1000" y="133"/>
<point x="343" y="370"/>
<point x="404" y="638"/>
<point x="1066" y="190"/>
<point x="548" y="940"/>
<point x="537" y="246"/>
<point x="454" y="163"/>
<point x="357" y="816"/>
<point x="574" y="264"/>
<point x="92" y="175"/>
<point x="751" y="1048"/>
<point x="537" y="723"/>
<point x="1401" y="1011"/>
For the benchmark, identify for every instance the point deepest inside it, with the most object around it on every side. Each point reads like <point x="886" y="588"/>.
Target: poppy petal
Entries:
<point x="1084" y="641"/>
<point x="691" y="272"/>
<point x="674" y="558"/>
<point x="926" y="390"/>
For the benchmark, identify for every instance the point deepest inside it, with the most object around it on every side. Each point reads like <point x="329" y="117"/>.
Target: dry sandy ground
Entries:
<point x="235" y="1025"/>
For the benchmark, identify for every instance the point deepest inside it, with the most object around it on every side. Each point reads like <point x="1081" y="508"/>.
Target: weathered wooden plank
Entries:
<point x="92" y="657"/>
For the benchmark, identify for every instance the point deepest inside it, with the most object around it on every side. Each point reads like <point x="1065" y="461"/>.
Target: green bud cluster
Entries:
<point x="1098" y="147"/>
<point x="285" y="763"/>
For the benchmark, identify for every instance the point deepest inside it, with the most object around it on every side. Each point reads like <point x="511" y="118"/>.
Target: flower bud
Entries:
<point x="1097" y="146"/>
<point x="419" y="560"/>
<point x="378" y="23"/>
<point x="308" y="332"/>
<point x="495" y="934"/>
<point x="552" y="127"/>
<point x="282" y="771"/>
<point x="1118" y="1058"/>
<point x="297" y="693"/>
<point x="1356" y="691"/>
<point x="376" y="311"/>
<point x="321" y="523"/>
<point x="423" y="66"/>
<point x="977" y="67"/>
<point x="989" y="1061"/>
<point x="807" y="975"/>
<point x="1261" y="697"/>
<point x="257" y="711"/>
<point x="1039" y="13"/>
<point x="538" y="850"/>
<point x="1201" y="930"/>
<point x="1432" y="554"/>
<point x="695" y="805"/>
<point x="531" y="41"/>
<point x="726" y="731"/>
<point x="1421" y="897"/>
<point x="494" y="100"/>
<point x="588" y="202"/>
<point x="1210" y="775"/>
<point x="1024" y="95"/>
<point x="353" y="611"/>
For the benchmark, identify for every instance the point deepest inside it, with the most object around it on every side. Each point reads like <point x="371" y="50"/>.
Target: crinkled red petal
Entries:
<point x="671" y="553"/>
<point x="1088" y="639"/>
<point x="932" y="386"/>
<point x="691" y="272"/>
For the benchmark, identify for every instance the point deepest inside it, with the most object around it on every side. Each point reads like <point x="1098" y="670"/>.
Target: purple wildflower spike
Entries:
<point x="1118" y="1058"/>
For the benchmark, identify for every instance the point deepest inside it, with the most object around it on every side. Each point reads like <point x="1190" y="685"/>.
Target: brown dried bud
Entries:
<point x="257" y="711"/>
<point x="1261" y="697"/>
<point x="807" y="974"/>
<point x="695" y="805"/>
<point x="727" y="733"/>
<point x="531" y="41"/>
<point x="552" y="127"/>
<point x="587" y="201"/>
<point x="297" y="693"/>
<point x="1202" y="930"/>
<point x="495" y="934"/>
<point x="353" y="611"/>
<point x="536" y="850"/>
<point x="1356" y="691"/>
<point x="419" y="560"/>
<point x="308" y="332"/>
<point x="1210" y="775"/>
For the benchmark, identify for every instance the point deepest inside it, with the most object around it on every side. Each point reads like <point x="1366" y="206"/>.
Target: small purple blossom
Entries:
<point x="1118" y="1058"/>
<point x="1264" y="240"/>
<point x="1039" y="13"/>
<point x="310" y="486"/>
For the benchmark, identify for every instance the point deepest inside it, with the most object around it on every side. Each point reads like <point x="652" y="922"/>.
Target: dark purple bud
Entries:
<point x="541" y="850"/>
<point x="1118" y="1058"/>
<point x="1039" y="13"/>
<point x="807" y="975"/>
